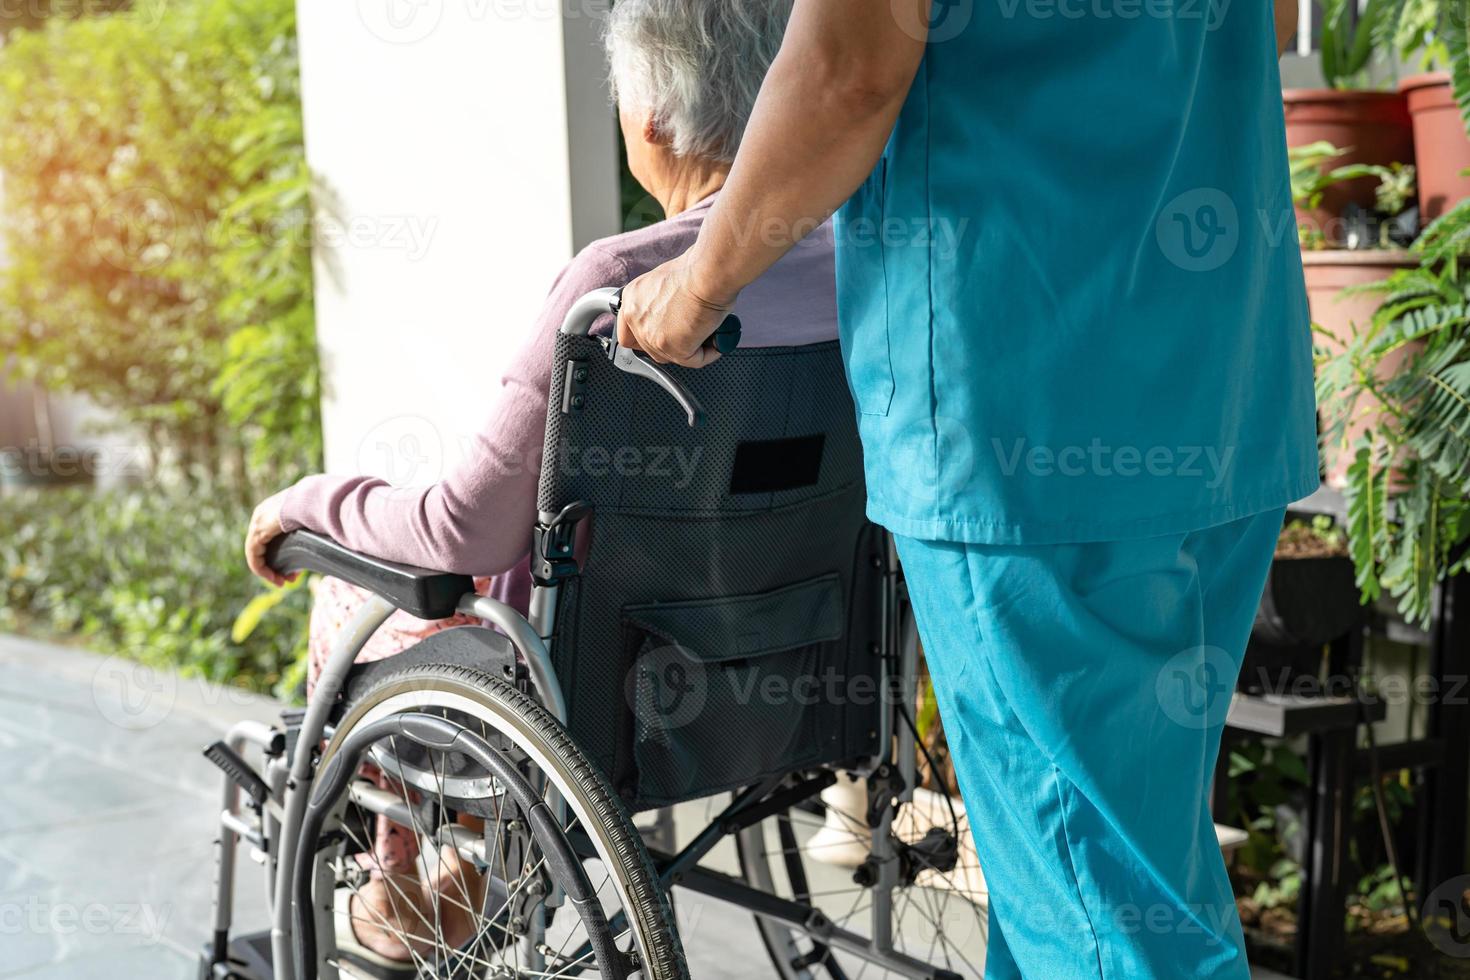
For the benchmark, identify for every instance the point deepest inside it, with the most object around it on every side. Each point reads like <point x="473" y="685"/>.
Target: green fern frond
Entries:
<point x="1457" y="42"/>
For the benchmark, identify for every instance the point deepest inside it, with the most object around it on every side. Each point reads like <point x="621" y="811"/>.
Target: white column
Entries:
<point x="463" y="151"/>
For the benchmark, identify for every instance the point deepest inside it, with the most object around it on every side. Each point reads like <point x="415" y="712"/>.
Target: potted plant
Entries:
<point x="1309" y="598"/>
<point x="1389" y="220"/>
<point x="1441" y="146"/>
<point x="1408" y="485"/>
<point x="1371" y="126"/>
<point x="1350" y="251"/>
<point x="1398" y="396"/>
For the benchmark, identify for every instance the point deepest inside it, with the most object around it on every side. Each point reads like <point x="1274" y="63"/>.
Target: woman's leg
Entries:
<point x="388" y="910"/>
<point x="1083" y="690"/>
<point x="393" y="905"/>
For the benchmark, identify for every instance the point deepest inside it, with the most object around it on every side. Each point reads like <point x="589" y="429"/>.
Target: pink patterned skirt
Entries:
<point x="334" y="604"/>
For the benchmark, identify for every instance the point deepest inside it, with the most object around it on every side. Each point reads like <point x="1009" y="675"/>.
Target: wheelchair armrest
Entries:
<point x="417" y="591"/>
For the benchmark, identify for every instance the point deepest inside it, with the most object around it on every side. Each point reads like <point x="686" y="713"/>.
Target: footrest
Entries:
<point x="248" y="958"/>
<point x="239" y="771"/>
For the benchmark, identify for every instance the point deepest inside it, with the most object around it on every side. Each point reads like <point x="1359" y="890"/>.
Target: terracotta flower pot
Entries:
<point x="1340" y="318"/>
<point x="1441" y="148"/>
<point x="1373" y="127"/>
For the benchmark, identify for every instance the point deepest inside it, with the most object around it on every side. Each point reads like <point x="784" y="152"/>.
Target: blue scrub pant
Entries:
<point x="1083" y="689"/>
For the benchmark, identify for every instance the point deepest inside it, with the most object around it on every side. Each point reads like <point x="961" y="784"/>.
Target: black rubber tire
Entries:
<point x="656" y="931"/>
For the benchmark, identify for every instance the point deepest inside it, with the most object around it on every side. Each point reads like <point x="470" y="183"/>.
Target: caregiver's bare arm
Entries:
<point x="824" y="113"/>
<point x="1287" y="12"/>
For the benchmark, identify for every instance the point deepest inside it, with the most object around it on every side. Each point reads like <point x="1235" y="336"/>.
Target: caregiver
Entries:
<point x="1072" y="312"/>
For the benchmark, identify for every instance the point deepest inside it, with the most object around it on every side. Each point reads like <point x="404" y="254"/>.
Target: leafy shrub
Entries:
<point x="32" y="13"/>
<point x="1408" y="375"/>
<point x="157" y="223"/>
<point x="153" y="576"/>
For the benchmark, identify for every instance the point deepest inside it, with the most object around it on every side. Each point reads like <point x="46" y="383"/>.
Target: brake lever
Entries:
<point x="629" y="360"/>
<point x="724" y="340"/>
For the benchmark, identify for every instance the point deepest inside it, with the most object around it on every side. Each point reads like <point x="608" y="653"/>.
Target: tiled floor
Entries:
<point x="107" y="817"/>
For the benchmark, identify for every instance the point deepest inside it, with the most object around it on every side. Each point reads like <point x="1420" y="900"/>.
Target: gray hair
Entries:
<point x="696" y="65"/>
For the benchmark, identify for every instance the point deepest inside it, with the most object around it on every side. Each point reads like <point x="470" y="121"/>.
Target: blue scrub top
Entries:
<point x="1070" y="294"/>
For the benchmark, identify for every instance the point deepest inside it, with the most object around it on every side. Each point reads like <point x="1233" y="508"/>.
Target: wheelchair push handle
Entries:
<point x="600" y="302"/>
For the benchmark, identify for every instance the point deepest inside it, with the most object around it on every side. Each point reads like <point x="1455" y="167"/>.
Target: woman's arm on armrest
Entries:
<point x="476" y="521"/>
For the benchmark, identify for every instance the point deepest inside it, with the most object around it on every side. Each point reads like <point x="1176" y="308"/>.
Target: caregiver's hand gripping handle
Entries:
<point x="599" y="302"/>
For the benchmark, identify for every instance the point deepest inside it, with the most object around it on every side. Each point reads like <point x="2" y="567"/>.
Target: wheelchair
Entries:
<point x="714" y="623"/>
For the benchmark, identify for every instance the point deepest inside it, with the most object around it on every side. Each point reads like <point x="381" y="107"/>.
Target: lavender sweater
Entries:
<point x="477" y="521"/>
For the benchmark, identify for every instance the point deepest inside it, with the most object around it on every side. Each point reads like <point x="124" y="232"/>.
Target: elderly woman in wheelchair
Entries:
<point x="684" y="600"/>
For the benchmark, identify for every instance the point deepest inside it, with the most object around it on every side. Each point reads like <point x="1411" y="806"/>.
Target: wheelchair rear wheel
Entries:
<point x="526" y="865"/>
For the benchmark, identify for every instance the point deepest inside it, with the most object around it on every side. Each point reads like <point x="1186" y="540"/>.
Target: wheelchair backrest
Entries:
<point x="724" y="623"/>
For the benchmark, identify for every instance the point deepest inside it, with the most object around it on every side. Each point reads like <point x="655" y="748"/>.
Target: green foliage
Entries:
<point x="1282" y="887"/>
<point x="1419" y="32"/>
<point x="1310" y="179"/>
<point x="1347" y="46"/>
<point x="30" y="14"/>
<point x="255" y="610"/>
<point x="1382" y="890"/>
<point x="147" y="575"/>
<point x="157" y="220"/>
<point x="1265" y="778"/>
<point x="1457" y="50"/>
<point x="1408" y="378"/>
<point x="1309" y="174"/>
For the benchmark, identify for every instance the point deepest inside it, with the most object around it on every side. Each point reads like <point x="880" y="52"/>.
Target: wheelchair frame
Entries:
<point x="289" y="771"/>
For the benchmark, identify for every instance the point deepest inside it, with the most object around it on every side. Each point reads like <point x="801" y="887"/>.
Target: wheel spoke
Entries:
<point x="922" y="910"/>
<point x="459" y="909"/>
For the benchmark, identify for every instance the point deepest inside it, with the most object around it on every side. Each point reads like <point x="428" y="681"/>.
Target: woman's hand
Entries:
<point x="265" y="527"/>
<point x="667" y="316"/>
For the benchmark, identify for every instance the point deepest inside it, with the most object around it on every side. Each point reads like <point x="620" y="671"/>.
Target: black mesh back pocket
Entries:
<point x="726" y="691"/>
